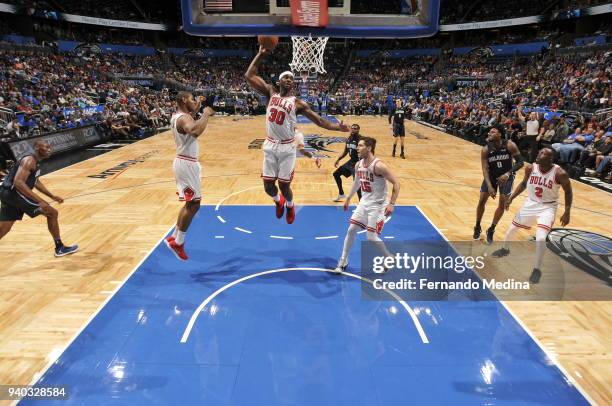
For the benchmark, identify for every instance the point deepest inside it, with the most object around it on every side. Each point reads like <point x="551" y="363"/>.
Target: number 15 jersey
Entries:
<point x="373" y="186"/>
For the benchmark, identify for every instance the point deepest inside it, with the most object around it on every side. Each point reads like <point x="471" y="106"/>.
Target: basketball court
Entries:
<point x="256" y="316"/>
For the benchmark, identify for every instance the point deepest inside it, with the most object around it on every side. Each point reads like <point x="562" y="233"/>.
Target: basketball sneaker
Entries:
<point x="477" y="231"/>
<point x="402" y="156"/>
<point x="340" y="198"/>
<point x="341" y="267"/>
<point x="502" y="252"/>
<point x="280" y="207"/>
<point x="66" y="250"/>
<point x="536" y="274"/>
<point x="178" y="250"/>
<point x="290" y="214"/>
<point x="169" y="238"/>
<point x="490" y="232"/>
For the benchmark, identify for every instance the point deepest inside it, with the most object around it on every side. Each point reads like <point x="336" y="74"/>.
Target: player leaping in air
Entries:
<point x="280" y="148"/>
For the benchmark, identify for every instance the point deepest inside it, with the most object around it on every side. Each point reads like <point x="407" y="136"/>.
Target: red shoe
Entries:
<point x="169" y="238"/>
<point x="178" y="250"/>
<point x="280" y="207"/>
<point x="290" y="214"/>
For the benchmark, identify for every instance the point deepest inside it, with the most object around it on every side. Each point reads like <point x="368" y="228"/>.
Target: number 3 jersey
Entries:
<point x="373" y="186"/>
<point x="281" y="118"/>
<point x="543" y="187"/>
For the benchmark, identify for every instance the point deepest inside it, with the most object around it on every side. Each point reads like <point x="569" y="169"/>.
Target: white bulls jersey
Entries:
<point x="281" y="118"/>
<point x="373" y="186"/>
<point x="186" y="145"/>
<point x="543" y="187"/>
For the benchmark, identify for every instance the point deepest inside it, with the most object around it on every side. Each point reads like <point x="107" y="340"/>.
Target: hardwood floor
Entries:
<point x="117" y="220"/>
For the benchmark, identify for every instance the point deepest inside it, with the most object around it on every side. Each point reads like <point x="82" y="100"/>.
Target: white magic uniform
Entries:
<point x="541" y="205"/>
<point x="370" y="212"/>
<point x="186" y="166"/>
<point x="279" y="148"/>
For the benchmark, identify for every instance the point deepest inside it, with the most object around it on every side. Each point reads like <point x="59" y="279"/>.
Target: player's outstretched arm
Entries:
<point x="564" y="180"/>
<point x="521" y="186"/>
<point x="354" y="189"/>
<point x="195" y="128"/>
<point x="304" y="109"/>
<point x="484" y="161"/>
<point x="382" y="170"/>
<point x="252" y="75"/>
<point x="43" y="189"/>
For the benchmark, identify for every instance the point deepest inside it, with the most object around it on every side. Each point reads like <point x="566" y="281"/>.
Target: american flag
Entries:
<point x="218" y="5"/>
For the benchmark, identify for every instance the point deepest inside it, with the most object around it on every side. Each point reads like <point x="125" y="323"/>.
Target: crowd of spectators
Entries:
<point x="81" y="93"/>
<point x="458" y="11"/>
<point x="133" y="10"/>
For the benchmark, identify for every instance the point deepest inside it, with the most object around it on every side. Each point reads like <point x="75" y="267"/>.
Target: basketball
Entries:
<point x="267" y="42"/>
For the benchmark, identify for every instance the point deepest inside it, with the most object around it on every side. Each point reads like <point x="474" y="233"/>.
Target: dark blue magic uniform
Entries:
<point x="500" y="162"/>
<point x="398" y="122"/>
<point x="14" y="204"/>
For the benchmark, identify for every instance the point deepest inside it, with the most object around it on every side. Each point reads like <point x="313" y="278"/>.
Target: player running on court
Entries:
<point x="18" y="197"/>
<point x="348" y="168"/>
<point x="279" y="147"/>
<point x="542" y="181"/>
<point x="372" y="177"/>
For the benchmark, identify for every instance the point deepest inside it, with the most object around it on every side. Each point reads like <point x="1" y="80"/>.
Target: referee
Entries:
<point x="348" y="168"/>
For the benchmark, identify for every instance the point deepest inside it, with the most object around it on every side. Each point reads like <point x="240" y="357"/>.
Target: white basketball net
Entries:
<point x="308" y="54"/>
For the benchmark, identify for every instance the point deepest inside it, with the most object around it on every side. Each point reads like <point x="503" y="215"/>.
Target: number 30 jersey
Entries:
<point x="281" y="118"/>
<point x="543" y="187"/>
<point x="373" y="186"/>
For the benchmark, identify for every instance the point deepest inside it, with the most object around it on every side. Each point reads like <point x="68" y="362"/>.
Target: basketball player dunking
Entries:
<point x="372" y="177"/>
<point x="498" y="172"/>
<point x="186" y="167"/>
<point x="279" y="147"/>
<point x="542" y="181"/>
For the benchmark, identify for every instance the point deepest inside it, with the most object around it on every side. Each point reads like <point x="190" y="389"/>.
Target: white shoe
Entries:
<point x="340" y="198"/>
<point x="341" y="267"/>
<point x="382" y="271"/>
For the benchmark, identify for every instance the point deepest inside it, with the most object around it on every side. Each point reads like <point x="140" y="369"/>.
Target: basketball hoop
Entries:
<point x="308" y="55"/>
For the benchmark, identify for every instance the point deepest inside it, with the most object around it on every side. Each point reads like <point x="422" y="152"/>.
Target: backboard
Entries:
<point x="346" y="18"/>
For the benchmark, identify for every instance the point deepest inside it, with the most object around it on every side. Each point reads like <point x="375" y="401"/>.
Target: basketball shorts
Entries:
<point x="542" y="214"/>
<point x="279" y="161"/>
<point x="347" y="170"/>
<point x="13" y="205"/>
<point x="399" y="130"/>
<point x="505" y="189"/>
<point x="369" y="217"/>
<point x="187" y="175"/>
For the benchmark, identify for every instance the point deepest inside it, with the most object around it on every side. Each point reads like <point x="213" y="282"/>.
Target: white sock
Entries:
<point x="289" y="203"/>
<point x="276" y="198"/>
<point x="175" y="231"/>
<point x="373" y="237"/>
<point x="540" y="246"/>
<point x="351" y="233"/>
<point x="180" y="237"/>
<point x="510" y="235"/>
